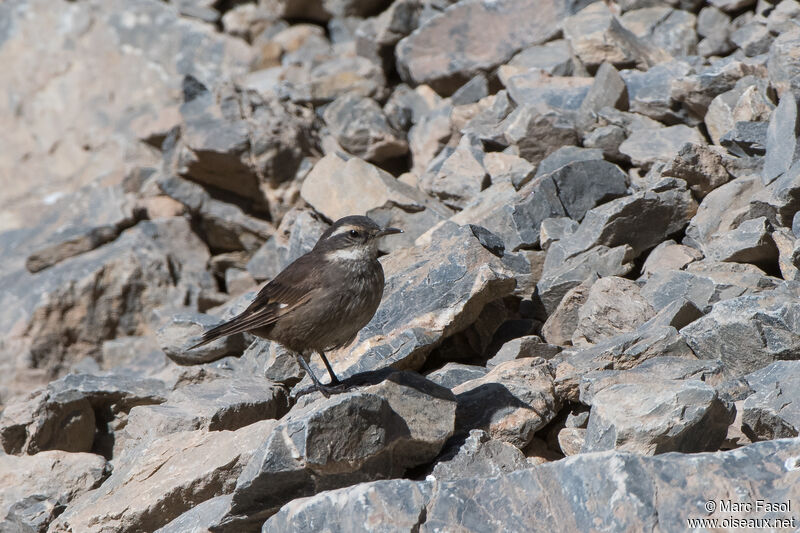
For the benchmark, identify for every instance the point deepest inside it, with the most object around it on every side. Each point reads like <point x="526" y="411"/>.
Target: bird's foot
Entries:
<point x="331" y="388"/>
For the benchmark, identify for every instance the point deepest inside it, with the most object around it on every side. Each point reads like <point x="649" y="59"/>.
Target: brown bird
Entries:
<point x="322" y="300"/>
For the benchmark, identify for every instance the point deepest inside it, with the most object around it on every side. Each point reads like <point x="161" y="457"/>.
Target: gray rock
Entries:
<point x="608" y="139"/>
<point x="784" y="62"/>
<point x="725" y="110"/>
<point x="236" y="157"/>
<point x="678" y="313"/>
<point x="647" y="492"/>
<point x="538" y="132"/>
<point x="583" y="185"/>
<point x="472" y="91"/>
<point x="622" y="352"/>
<point x="565" y="155"/>
<point x="156" y="482"/>
<point x="672" y="30"/>
<point x="711" y="21"/>
<point x="596" y="36"/>
<point x="489" y="36"/>
<point x="92" y="217"/>
<point x="657" y="417"/>
<point x="362" y="129"/>
<point x="399" y="423"/>
<point x="553" y="57"/>
<point x="657" y="368"/>
<point x="554" y="229"/>
<point x="731" y="5"/>
<point x="563" y="321"/>
<point x="782" y="146"/>
<point x="527" y="346"/>
<point x="608" y="90"/>
<point x="645" y="147"/>
<point x="559" y="277"/>
<point x="613" y="306"/>
<point x="400" y="504"/>
<point x="76" y="413"/>
<point x="427" y="137"/>
<point x="479" y="456"/>
<point x="751" y="242"/>
<point x="747" y="333"/>
<point x="703" y="288"/>
<point x="640" y="220"/>
<point x="746" y="139"/>
<point x="650" y="92"/>
<point x="669" y="256"/>
<point x="222" y="404"/>
<point x="539" y="89"/>
<point x="773" y="410"/>
<point x="460" y="177"/>
<point x="781" y="200"/>
<point x="700" y="167"/>
<point x="200" y="518"/>
<point x="753" y="39"/>
<point x="521" y="399"/>
<point x="506" y="168"/>
<point x="51" y="478"/>
<point x="454" y="374"/>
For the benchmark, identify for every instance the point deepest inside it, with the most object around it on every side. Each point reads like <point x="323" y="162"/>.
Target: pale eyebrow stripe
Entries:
<point x="343" y="230"/>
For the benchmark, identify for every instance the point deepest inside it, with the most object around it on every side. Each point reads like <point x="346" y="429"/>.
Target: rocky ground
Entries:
<point x="591" y="323"/>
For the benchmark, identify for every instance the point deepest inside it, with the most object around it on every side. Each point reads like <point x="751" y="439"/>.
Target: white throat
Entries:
<point x="354" y="253"/>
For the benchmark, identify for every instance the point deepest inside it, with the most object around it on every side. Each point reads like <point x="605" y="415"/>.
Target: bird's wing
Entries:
<point x="290" y="289"/>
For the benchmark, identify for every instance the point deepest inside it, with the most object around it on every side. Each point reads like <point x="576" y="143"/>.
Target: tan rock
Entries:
<point x="614" y="305"/>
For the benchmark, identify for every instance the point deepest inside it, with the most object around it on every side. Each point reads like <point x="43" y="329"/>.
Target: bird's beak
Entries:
<point x="389" y="231"/>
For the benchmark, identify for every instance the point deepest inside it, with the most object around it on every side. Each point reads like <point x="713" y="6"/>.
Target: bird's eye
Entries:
<point x="353" y="233"/>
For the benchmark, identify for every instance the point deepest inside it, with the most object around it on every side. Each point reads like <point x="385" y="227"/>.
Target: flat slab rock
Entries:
<point x="610" y="491"/>
<point x="401" y="422"/>
<point x="773" y="410"/>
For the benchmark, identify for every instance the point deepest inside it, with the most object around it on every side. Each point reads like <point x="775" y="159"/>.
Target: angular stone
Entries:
<point x="158" y="481"/>
<point x="751" y="242"/>
<point x="672" y="30"/>
<point x="608" y="90"/>
<point x="508" y="168"/>
<point x="697" y="91"/>
<point x="565" y="155"/>
<point x="753" y="39"/>
<point x="399" y="423"/>
<point x="527" y="346"/>
<point x="784" y="62"/>
<point x="646" y="147"/>
<point x="559" y="277"/>
<point x="657" y="368"/>
<point x="490" y="35"/>
<point x="746" y="139"/>
<point x="427" y="137"/>
<point x="783" y="148"/>
<point x="705" y="287"/>
<point x="596" y="36"/>
<point x="57" y="476"/>
<point x="573" y="493"/>
<point x="362" y="129"/>
<point x="657" y="417"/>
<point x="454" y="374"/>
<point x="521" y="397"/>
<point x="773" y="410"/>
<point x="554" y="229"/>
<point x="613" y="306"/>
<point x="748" y="332"/>
<point x="538" y="132"/>
<point x="224" y="404"/>
<point x="74" y="413"/>
<point x="479" y="456"/>
<point x="330" y="186"/>
<point x="608" y="139"/>
<point x="460" y="176"/>
<point x="724" y="110"/>
<point x="200" y="518"/>
<point x="553" y="57"/>
<point x="651" y="94"/>
<point x="700" y="167"/>
<point x="583" y="185"/>
<point x="537" y="88"/>
<point x="563" y="321"/>
<point x="669" y="256"/>
<point x="471" y="92"/>
<point x="622" y="352"/>
<point x="339" y="76"/>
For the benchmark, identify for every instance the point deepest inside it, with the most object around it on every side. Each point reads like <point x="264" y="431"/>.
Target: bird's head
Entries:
<point x="352" y="238"/>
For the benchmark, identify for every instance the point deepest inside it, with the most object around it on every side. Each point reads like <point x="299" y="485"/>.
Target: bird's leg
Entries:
<point x="334" y="379"/>
<point x="326" y="390"/>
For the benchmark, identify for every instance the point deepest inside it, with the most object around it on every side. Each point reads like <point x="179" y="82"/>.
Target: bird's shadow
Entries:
<point x="362" y="379"/>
